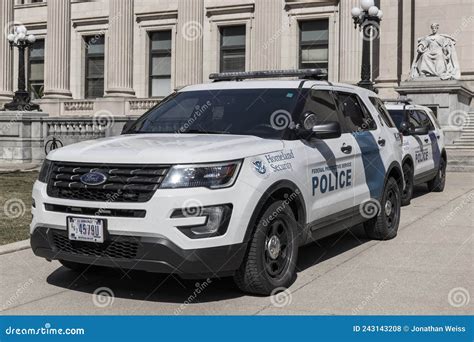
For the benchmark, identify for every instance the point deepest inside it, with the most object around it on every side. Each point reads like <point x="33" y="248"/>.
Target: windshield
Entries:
<point x="398" y="116"/>
<point x="259" y="112"/>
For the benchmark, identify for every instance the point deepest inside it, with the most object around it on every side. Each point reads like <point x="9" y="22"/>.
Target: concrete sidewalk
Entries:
<point x="427" y="270"/>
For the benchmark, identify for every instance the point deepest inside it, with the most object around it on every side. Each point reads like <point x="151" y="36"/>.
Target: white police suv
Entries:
<point x="424" y="155"/>
<point x="225" y="178"/>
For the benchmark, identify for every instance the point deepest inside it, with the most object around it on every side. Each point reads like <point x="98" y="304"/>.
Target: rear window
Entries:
<point x="378" y="104"/>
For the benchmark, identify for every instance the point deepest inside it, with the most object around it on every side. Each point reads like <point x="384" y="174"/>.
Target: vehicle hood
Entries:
<point x="165" y="149"/>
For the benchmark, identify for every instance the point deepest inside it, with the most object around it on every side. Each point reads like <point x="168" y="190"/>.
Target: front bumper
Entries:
<point x="158" y="255"/>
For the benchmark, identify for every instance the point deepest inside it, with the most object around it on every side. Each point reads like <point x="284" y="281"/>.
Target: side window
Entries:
<point x="322" y="104"/>
<point x="425" y="120"/>
<point x="378" y="104"/>
<point x="413" y="119"/>
<point x="356" y="115"/>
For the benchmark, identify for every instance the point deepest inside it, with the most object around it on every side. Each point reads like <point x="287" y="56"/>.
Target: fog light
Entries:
<point x="217" y="220"/>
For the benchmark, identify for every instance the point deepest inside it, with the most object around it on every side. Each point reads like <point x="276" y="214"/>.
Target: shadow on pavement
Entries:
<point x="172" y="289"/>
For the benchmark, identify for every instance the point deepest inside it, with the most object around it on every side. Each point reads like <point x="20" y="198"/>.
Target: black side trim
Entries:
<point x="425" y="176"/>
<point x="336" y="222"/>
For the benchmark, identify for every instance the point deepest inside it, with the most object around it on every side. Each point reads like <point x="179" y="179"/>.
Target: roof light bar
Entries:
<point x="311" y="74"/>
<point x="401" y="99"/>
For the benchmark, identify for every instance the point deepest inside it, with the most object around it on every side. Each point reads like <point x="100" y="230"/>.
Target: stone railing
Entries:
<point x="78" y="106"/>
<point x="142" y="104"/>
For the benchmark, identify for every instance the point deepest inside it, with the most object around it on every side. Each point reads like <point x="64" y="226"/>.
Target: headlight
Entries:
<point x="44" y="172"/>
<point x="213" y="176"/>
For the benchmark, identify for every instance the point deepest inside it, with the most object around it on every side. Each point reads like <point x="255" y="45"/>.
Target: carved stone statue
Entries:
<point x="436" y="57"/>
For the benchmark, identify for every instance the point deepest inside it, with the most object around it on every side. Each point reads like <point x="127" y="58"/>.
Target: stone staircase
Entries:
<point x="466" y="141"/>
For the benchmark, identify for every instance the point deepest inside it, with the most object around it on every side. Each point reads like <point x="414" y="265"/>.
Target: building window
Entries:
<point x="94" y="80"/>
<point x="160" y="63"/>
<point x="36" y="70"/>
<point x="314" y="44"/>
<point x="232" y="48"/>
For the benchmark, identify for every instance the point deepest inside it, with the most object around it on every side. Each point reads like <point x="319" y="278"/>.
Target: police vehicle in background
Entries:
<point x="424" y="153"/>
<point x="225" y="178"/>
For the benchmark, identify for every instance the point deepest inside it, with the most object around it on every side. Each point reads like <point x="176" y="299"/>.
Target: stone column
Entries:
<point x="6" y="55"/>
<point x="58" y="50"/>
<point x="189" y="40"/>
<point x="266" y="39"/>
<point x="390" y="49"/>
<point x="350" y="51"/>
<point x="120" y="48"/>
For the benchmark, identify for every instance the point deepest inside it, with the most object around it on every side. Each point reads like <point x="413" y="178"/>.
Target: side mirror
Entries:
<point x="127" y="126"/>
<point x="328" y="130"/>
<point x="421" y="130"/>
<point x="405" y="128"/>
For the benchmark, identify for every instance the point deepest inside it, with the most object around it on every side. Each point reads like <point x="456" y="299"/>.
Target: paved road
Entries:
<point x="343" y="274"/>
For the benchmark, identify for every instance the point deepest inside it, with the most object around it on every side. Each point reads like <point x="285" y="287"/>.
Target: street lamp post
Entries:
<point x="367" y="17"/>
<point x="21" y="100"/>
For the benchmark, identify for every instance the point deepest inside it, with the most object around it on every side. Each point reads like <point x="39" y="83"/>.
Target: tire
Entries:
<point x="407" y="193"/>
<point x="437" y="183"/>
<point x="75" y="266"/>
<point x="270" y="262"/>
<point x="384" y="226"/>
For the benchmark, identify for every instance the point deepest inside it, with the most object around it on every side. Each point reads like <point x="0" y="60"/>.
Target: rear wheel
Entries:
<point x="408" y="191"/>
<point x="270" y="262"/>
<point x="437" y="183"/>
<point x="384" y="226"/>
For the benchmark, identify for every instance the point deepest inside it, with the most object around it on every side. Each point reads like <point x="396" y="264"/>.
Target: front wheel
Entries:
<point x="270" y="262"/>
<point x="437" y="183"/>
<point x="384" y="226"/>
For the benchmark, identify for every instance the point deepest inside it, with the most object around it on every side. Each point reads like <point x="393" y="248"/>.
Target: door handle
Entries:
<point x="426" y="140"/>
<point x="438" y="136"/>
<point x="346" y="149"/>
<point x="381" y="142"/>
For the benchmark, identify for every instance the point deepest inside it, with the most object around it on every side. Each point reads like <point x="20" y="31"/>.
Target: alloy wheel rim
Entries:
<point x="277" y="251"/>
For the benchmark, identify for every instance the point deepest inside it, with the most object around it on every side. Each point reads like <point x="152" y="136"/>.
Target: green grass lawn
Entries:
<point x="15" y="205"/>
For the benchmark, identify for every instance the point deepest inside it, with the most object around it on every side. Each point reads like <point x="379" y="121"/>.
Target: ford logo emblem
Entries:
<point x="93" y="178"/>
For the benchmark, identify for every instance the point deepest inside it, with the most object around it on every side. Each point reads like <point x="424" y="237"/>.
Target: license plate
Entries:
<point x="86" y="229"/>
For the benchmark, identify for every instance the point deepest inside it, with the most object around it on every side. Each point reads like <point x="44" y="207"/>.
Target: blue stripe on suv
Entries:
<point x="435" y="147"/>
<point x="373" y="164"/>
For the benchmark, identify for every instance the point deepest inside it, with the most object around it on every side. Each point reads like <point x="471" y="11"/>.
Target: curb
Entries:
<point x="15" y="247"/>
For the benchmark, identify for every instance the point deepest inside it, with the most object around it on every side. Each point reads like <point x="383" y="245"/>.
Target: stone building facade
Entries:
<point x="123" y="56"/>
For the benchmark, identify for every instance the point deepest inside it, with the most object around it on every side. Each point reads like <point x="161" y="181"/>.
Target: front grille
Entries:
<point x="120" y="249"/>
<point x="95" y="211"/>
<point x="125" y="183"/>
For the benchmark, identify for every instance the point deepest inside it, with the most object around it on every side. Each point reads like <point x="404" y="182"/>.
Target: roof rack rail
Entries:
<point x="401" y="99"/>
<point x="308" y="74"/>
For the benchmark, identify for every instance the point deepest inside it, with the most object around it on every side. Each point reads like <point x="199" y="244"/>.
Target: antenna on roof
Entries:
<point x="307" y="74"/>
